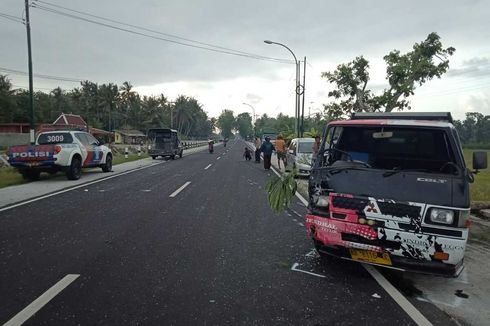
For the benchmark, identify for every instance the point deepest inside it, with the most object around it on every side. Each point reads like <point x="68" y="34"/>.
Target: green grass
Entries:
<point x="119" y="158"/>
<point x="10" y="177"/>
<point x="480" y="189"/>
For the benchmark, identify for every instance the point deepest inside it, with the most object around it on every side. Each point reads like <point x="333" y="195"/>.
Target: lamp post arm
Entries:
<point x="295" y="60"/>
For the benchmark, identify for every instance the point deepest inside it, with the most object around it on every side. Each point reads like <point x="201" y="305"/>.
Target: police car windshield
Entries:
<point x="55" y="138"/>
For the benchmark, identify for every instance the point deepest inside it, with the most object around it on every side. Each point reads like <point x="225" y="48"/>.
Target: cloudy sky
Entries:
<point x="326" y="32"/>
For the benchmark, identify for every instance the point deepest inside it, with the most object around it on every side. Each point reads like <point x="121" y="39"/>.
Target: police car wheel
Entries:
<point x="75" y="169"/>
<point x="107" y="167"/>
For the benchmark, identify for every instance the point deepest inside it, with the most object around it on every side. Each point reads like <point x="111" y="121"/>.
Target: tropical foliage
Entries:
<point x="474" y="131"/>
<point x="404" y="72"/>
<point x="106" y="106"/>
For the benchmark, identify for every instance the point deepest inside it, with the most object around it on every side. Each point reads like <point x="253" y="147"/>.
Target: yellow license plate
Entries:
<point x="368" y="256"/>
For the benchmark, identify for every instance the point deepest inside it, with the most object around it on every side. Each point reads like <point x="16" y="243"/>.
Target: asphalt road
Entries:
<point x="211" y="254"/>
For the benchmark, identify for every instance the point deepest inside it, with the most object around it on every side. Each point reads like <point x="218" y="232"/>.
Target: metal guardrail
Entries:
<point x="193" y="143"/>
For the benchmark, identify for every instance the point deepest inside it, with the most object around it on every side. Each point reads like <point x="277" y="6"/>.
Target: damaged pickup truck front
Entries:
<point x="392" y="189"/>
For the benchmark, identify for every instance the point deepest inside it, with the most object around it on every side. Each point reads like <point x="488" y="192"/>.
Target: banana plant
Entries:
<point x="280" y="191"/>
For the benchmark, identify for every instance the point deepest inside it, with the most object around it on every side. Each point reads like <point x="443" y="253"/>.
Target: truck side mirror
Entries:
<point x="479" y="160"/>
<point x="291" y="151"/>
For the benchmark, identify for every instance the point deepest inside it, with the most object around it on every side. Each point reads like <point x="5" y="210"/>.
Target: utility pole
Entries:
<point x="298" y="96"/>
<point x="303" y="106"/>
<point x="31" y="87"/>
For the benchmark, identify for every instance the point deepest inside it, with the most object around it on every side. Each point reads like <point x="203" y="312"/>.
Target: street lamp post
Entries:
<point x="253" y="112"/>
<point x="297" y="89"/>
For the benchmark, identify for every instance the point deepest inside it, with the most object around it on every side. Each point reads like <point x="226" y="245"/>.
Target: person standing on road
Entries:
<point x="257" y="144"/>
<point x="315" y="148"/>
<point x="281" y="152"/>
<point x="316" y="145"/>
<point x="267" y="148"/>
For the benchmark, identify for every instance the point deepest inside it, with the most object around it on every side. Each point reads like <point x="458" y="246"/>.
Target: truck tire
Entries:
<point x="181" y="153"/>
<point x="75" y="169"/>
<point x="107" y="167"/>
<point x="153" y="157"/>
<point x="32" y="175"/>
<point x="172" y="157"/>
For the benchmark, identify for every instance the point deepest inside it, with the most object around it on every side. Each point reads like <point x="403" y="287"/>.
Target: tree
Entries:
<point x="404" y="73"/>
<point x="243" y="123"/>
<point x="226" y="122"/>
<point x="475" y="129"/>
<point x="109" y="97"/>
<point x="7" y="102"/>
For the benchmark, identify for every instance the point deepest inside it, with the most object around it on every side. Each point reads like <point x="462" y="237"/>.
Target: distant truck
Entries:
<point x="392" y="189"/>
<point x="67" y="151"/>
<point x="165" y="143"/>
<point x="272" y="136"/>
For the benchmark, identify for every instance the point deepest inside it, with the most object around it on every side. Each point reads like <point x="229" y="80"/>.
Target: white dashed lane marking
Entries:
<point x="37" y="304"/>
<point x="176" y="192"/>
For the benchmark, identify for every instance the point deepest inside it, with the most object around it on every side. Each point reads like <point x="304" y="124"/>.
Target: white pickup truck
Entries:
<point x="67" y="151"/>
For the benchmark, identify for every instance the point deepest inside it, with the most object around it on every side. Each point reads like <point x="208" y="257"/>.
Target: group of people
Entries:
<point x="268" y="148"/>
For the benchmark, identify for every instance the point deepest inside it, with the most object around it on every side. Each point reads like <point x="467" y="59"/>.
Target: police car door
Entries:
<point x="95" y="148"/>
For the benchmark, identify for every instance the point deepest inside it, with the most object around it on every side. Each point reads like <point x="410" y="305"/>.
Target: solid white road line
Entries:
<point x="83" y="185"/>
<point x="207" y="167"/>
<point x="417" y="317"/>
<point x="37" y="304"/>
<point x="176" y="192"/>
<point x="75" y="187"/>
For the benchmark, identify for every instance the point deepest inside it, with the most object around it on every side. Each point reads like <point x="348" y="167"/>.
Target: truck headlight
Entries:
<point x="440" y="215"/>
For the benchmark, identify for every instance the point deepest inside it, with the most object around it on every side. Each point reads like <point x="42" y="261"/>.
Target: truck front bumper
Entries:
<point x="408" y="251"/>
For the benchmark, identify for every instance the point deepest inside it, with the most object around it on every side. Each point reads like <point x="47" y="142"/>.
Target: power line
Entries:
<point x="41" y="88"/>
<point x="161" y="33"/>
<point x="12" y="18"/>
<point x="23" y="73"/>
<point x="229" y="52"/>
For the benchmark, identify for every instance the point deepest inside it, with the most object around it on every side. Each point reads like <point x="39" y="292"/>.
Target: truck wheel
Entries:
<point x="107" y="167"/>
<point x="31" y="175"/>
<point x="326" y="258"/>
<point x="153" y="157"/>
<point x="75" y="169"/>
<point x="172" y="157"/>
<point x="181" y="153"/>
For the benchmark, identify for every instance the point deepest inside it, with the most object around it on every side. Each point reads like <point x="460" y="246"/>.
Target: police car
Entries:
<point x="67" y="151"/>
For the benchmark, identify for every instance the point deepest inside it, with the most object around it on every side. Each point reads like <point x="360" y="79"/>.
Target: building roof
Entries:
<point x="70" y="119"/>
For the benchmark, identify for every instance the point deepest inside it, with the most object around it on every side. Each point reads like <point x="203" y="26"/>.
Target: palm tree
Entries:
<point x="109" y="96"/>
<point x="6" y="99"/>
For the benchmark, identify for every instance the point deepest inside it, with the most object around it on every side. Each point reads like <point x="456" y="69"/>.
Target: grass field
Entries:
<point x="10" y="176"/>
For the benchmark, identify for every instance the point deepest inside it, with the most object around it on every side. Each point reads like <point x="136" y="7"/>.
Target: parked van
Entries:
<point x="392" y="189"/>
<point x="164" y="143"/>
<point x="299" y="155"/>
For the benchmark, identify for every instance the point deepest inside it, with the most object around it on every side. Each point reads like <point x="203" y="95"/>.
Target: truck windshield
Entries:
<point x="394" y="148"/>
<point x="159" y="135"/>
<point x="55" y="138"/>
<point x="305" y="147"/>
